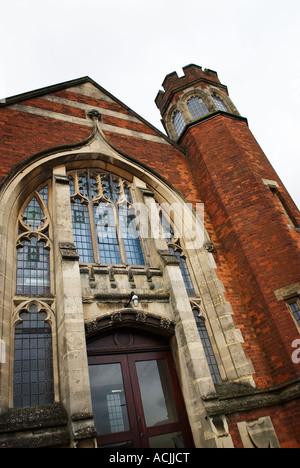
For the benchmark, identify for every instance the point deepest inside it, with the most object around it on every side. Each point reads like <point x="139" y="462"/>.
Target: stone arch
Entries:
<point x="131" y="318"/>
<point x="97" y="152"/>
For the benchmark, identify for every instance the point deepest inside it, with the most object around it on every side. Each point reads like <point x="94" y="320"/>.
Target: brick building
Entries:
<point x="149" y="284"/>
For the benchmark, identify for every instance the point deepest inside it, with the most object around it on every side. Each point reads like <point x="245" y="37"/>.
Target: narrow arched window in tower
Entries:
<point x="220" y="103"/>
<point x="33" y="360"/>
<point x="178" y="122"/>
<point x="105" y="223"/>
<point x="207" y="346"/>
<point x="294" y="306"/>
<point x="33" y="244"/>
<point x="197" y="107"/>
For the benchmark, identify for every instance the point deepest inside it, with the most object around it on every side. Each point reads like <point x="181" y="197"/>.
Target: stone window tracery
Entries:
<point x="105" y="223"/>
<point x="33" y="247"/>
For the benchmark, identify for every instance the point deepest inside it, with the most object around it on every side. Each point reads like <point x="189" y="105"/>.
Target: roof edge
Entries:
<point x="77" y="82"/>
<point x="45" y="90"/>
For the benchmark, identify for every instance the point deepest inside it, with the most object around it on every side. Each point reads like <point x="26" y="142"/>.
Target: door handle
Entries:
<point x="142" y="426"/>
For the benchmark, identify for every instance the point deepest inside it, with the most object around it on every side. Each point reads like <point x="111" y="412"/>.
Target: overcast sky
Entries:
<point x="128" y="46"/>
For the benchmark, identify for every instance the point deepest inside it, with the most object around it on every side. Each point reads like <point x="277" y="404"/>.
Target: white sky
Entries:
<point x="128" y="46"/>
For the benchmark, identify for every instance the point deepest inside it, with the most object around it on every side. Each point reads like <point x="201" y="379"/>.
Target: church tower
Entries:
<point x="256" y="221"/>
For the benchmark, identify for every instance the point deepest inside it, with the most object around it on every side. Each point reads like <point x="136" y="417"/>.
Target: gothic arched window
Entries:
<point x="177" y="251"/>
<point x="197" y="107"/>
<point x="33" y="359"/>
<point x="178" y="122"/>
<point x="105" y="224"/>
<point x="207" y="346"/>
<point x="220" y="103"/>
<point x="33" y="258"/>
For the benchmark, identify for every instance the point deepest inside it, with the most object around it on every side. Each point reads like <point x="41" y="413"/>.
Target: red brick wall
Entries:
<point x="255" y="251"/>
<point x="261" y="250"/>
<point x="23" y="135"/>
<point x="285" y="419"/>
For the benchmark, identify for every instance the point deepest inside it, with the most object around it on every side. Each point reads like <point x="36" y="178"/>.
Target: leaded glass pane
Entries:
<point x="33" y="215"/>
<point x="197" y="107"/>
<point x="33" y="361"/>
<point x="131" y="236"/>
<point x="184" y="271"/>
<point x="107" y="236"/>
<point x="44" y="194"/>
<point x="82" y="231"/>
<point x="220" y="104"/>
<point x="83" y="184"/>
<point x="107" y="187"/>
<point x="96" y="199"/>
<point x="167" y="229"/>
<point x="296" y="311"/>
<point x="33" y="268"/>
<point x="208" y="349"/>
<point x="179" y="123"/>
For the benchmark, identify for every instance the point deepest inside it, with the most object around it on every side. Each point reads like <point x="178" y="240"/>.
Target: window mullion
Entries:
<point x="94" y="232"/>
<point x="119" y="235"/>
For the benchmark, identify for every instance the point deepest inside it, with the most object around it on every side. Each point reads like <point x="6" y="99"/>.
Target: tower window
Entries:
<point x="281" y="205"/>
<point x="197" y="107"/>
<point x="179" y="122"/>
<point x="294" y="306"/>
<point x="220" y="103"/>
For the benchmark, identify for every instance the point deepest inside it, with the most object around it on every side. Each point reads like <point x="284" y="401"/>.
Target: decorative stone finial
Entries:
<point x="94" y="115"/>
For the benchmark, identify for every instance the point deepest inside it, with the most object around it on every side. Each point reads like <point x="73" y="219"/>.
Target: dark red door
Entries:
<point x="137" y="401"/>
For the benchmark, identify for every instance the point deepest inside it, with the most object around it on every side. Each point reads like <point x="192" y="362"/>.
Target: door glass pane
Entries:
<point x="156" y="392"/>
<point x="108" y="397"/>
<point x="174" y="440"/>
<point x="122" y="445"/>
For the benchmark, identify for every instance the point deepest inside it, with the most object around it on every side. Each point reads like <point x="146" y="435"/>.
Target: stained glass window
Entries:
<point x="33" y="268"/>
<point x="82" y="231"/>
<point x="208" y="349"/>
<point x="33" y="360"/>
<point x="105" y="223"/>
<point x="33" y="255"/>
<point x="197" y="107"/>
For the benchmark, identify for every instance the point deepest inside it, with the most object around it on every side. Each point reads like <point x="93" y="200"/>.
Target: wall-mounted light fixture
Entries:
<point x="133" y="300"/>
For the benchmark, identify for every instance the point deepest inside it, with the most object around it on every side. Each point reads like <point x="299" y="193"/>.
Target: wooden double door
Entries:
<point x="137" y="400"/>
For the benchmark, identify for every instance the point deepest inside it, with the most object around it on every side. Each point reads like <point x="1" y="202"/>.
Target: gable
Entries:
<point x="72" y="100"/>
